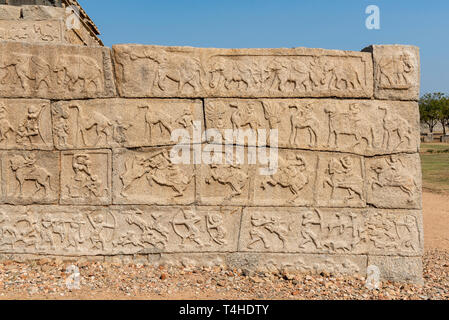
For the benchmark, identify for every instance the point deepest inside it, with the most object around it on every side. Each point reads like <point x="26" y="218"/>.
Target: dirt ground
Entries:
<point x="45" y="279"/>
<point x="436" y="221"/>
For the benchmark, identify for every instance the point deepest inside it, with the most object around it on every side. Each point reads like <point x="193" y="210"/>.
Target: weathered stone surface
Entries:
<point x="25" y="124"/>
<point x="115" y="123"/>
<point x="331" y="231"/>
<point x="293" y="184"/>
<point x="49" y="31"/>
<point x="396" y="72"/>
<point x="55" y="71"/>
<point x="33" y="12"/>
<point x="340" y="181"/>
<point x="30" y="177"/>
<point x="363" y="127"/>
<point x="228" y="181"/>
<point x="149" y="176"/>
<point x="86" y="177"/>
<point x="394" y="181"/>
<point x="154" y="71"/>
<point x="76" y="231"/>
<point x="402" y="269"/>
<point x="9" y="12"/>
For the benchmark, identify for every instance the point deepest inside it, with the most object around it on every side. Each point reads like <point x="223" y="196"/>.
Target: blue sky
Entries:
<point x="330" y="24"/>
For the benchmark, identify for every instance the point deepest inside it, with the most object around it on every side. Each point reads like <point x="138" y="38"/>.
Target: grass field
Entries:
<point x="435" y="165"/>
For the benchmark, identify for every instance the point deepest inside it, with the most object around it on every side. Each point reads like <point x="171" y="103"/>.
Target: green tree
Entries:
<point x="444" y="113"/>
<point x="430" y="106"/>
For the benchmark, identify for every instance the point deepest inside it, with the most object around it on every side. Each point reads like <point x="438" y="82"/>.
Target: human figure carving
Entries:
<point x="189" y="219"/>
<point x="25" y="169"/>
<point x="342" y="175"/>
<point x="391" y="172"/>
<point x="215" y="228"/>
<point x="5" y="125"/>
<point x="395" y="125"/>
<point x="292" y="174"/>
<point x="99" y="226"/>
<point x="28" y="132"/>
<point x="303" y="118"/>
<point x="349" y="123"/>
<point x="309" y="220"/>
<point x="84" y="183"/>
<point x="230" y="175"/>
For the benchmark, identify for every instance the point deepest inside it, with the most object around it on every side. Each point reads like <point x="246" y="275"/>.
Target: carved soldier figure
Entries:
<point x="119" y="130"/>
<point x="188" y="219"/>
<point x="99" y="225"/>
<point x="215" y="222"/>
<point x="258" y="223"/>
<point x="74" y="236"/>
<point x="5" y="125"/>
<point x="28" y="132"/>
<point x="309" y="220"/>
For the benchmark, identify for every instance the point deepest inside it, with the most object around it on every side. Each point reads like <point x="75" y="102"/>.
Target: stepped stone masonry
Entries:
<point x="88" y="164"/>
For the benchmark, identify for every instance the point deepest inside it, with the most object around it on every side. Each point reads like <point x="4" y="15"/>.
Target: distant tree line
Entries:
<point x="434" y="109"/>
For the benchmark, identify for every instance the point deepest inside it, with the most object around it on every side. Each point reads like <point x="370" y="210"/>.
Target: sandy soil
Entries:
<point x="436" y="221"/>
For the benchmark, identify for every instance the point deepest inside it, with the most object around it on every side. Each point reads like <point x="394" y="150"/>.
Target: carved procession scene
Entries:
<point x="332" y="231"/>
<point x="115" y="123"/>
<point x="190" y="72"/>
<point x="355" y="126"/>
<point x="135" y="151"/>
<point x="39" y="71"/>
<point x="125" y="230"/>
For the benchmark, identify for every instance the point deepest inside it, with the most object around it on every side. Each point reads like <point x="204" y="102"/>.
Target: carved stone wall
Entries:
<point x="86" y="166"/>
<point x="47" y="22"/>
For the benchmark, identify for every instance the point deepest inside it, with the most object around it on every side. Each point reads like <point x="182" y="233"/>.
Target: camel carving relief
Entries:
<point x="285" y="160"/>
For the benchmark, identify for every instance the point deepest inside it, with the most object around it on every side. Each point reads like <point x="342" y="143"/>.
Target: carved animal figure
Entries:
<point x="243" y="116"/>
<point x="156" y="118"/>
<point x="224" y="73"/>
<point x="395" y="125"/>
<point x="232" y="176"/>
<point x="26" y="170"/>
<point x="303" y="118"/>
<point x="291" y="174"/>
<point x="346" y="74"/>
<point x="103" y="126"/>
<point x="76" y="70"/>
<point x="26" y="68"/>
<point x="135" y="168"/>
<point x="342" y="176"/>
<point x="391" y="173"/>
<point x="178" y="68"/>
<point x="348" y="123"/>
<point x="47" y="32"/>
<point x="303" y="76"/>
<point x="393" y="72"/>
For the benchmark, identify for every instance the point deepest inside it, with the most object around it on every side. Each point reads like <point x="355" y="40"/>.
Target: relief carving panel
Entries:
<point x="153" y="71"/>
<point x="49" y="31"/>
<point x="55" y="71"/>
<point x="30" y="177"/>
<point x="394" y="181"/>
<point x="116" y="123"/>
<point x="396" y="72"/>
<point x="332" y="231"/>
<point x="149" y="176"/>
<point x="86" y="177"/>
<point x="363" y="127"/>
<point x="69" y="231"/>
<point x="25" y="124"/>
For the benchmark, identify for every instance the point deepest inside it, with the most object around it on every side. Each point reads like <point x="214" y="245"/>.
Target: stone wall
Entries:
<point x="86" y="171"/>
<point x="46" y="22"/>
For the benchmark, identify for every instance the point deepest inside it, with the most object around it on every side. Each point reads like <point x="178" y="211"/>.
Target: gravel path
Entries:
<point x="45" y="279"/>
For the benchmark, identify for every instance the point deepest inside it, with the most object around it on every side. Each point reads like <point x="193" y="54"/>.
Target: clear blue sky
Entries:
<point x="330" y="24"/>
